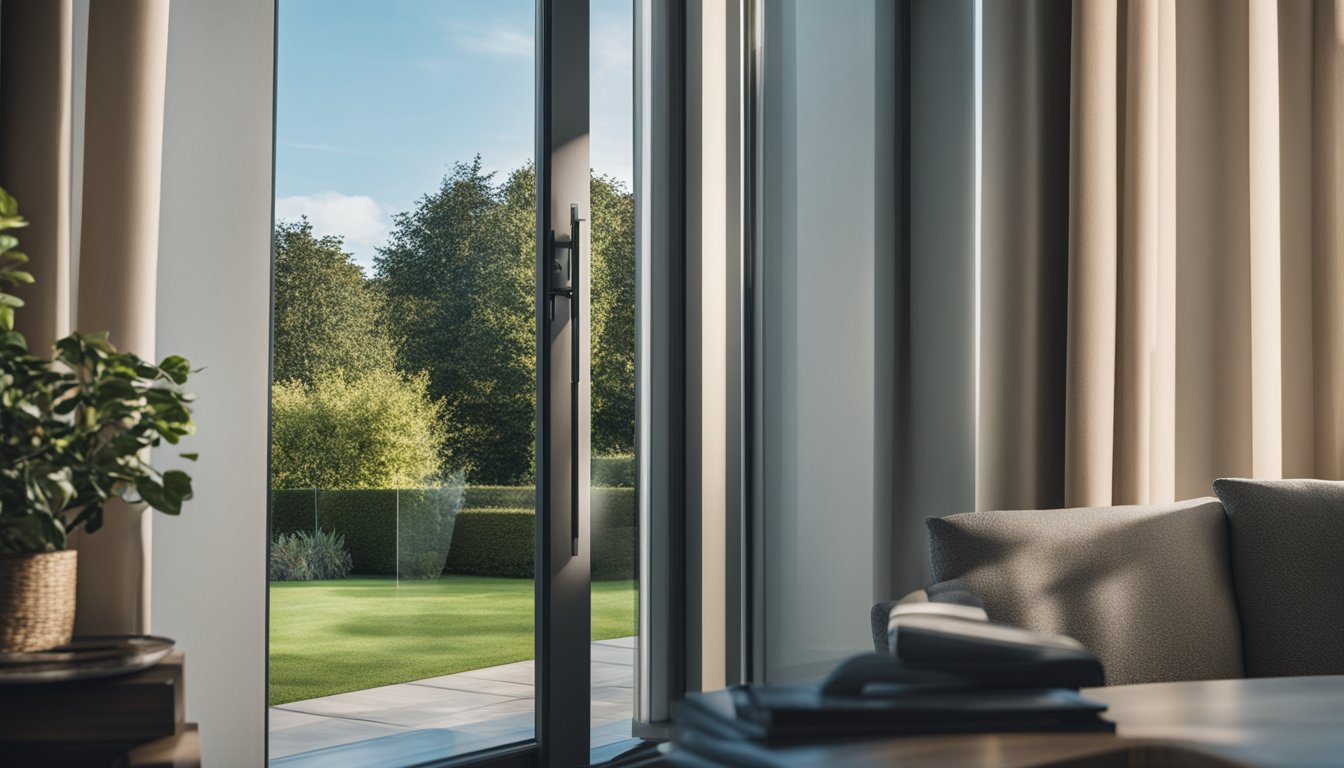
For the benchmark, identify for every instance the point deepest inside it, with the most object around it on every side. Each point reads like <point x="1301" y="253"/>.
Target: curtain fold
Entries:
<point x="124" y="85"/>
<point x="1024" y="254"/>
<point x="1328" y="235"/>
<point x="36" y="56"/>
<point x="1203" y="334"/>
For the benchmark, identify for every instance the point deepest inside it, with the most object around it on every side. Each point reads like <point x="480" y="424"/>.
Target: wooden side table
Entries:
<point x="133" y="720"/>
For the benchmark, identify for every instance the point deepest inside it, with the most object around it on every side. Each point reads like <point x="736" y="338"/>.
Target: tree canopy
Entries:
<point x="458" y="276"/>
<point x="452" y="297"/>
<point x="613" y="308"/>
<point x="327" y="318"/>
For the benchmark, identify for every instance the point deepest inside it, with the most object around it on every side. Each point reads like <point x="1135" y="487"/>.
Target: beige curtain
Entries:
<point x="123" y="93"/>
<point x="1202" y="330"/>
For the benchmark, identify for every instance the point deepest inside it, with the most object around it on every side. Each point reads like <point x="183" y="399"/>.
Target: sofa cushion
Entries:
<point x="1288" y="567"/>
<point x="1148" y="589"/>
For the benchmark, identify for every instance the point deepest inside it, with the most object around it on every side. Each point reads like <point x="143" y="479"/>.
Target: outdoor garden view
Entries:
<point x="403" y="404"/>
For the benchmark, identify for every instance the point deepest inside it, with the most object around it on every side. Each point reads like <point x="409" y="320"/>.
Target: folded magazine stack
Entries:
<point x="950" y="670"/>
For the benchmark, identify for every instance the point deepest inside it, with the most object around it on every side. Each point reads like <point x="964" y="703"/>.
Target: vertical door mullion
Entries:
<point x="563" y="585"/>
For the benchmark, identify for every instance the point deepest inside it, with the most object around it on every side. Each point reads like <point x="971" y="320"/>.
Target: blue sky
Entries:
<point x="376" y="100"/>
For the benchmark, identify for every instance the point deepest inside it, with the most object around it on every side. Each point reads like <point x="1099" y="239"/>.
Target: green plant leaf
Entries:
<point x="177" y="484"/>
<point x="13" y="340"/>
<point x="94" y="518"/>
<point x="157" y="497"/>
<point x="33" y="532"/>
<point x="75" y="434"/>
<point x="190" y="456"/>
<point x="176" y="367"/>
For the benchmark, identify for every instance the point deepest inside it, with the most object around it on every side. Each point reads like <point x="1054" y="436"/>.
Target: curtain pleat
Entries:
<point x="119" y="245"/>
<point x="1204" y="330"/>
<point x="1024" y="262"/>
<point x="1140" y="243"/>
<point x="1328" y="236"/>
<point x="35" y="114"/>
<point x="1089" y="405"/>
<point x="124" y="85"/>
<point x="1265" y="260"/>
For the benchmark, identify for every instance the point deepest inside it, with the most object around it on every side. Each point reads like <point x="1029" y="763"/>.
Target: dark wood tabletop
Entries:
<point x="1295" y="722"/>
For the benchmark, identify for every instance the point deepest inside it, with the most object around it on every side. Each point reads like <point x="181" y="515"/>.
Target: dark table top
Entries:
<point x="1285" y="721"/>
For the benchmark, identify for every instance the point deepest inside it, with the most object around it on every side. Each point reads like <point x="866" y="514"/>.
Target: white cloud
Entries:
<point x="358" y="219"/>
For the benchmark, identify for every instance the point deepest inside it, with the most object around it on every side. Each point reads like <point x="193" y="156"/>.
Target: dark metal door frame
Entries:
<point x="563" y="597"/>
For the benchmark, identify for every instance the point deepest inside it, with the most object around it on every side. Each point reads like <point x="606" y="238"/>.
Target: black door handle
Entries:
<point x="564" y="276"/>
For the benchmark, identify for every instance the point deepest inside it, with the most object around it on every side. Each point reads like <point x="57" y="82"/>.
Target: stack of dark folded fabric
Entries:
<point x="950" y="670"/>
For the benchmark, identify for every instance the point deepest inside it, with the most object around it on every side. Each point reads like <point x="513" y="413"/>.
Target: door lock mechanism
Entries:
<point x="564" y="255"/>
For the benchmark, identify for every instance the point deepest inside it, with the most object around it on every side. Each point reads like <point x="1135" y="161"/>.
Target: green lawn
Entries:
<point x="336" y="636"/>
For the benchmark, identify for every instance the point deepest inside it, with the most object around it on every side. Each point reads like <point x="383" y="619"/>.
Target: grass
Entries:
<point x="337" y="636"/>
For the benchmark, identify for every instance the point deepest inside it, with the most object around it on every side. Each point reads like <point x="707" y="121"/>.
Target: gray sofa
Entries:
<point x="1249" y="584"/>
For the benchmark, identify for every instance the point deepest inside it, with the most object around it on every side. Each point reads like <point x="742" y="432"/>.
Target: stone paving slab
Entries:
<point x="460" y="712"/>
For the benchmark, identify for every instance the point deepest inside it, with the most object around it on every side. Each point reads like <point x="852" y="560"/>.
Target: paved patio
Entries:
<point x="453" y="713"/>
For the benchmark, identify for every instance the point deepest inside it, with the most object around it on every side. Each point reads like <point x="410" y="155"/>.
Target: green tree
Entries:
<point x="374" y="429"/>
<point x="327" y="318"/>
<point x="612" y="300"/>
<point x="457" y="274"/>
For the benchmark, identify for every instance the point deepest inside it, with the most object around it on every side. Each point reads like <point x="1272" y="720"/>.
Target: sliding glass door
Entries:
<point x="452" y="551"/>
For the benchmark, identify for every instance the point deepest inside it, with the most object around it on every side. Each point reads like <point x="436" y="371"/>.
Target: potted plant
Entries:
<point x="75" y="432"/>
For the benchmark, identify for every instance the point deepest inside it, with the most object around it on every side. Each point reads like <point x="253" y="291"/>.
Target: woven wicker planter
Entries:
<point x="37" y="601"/>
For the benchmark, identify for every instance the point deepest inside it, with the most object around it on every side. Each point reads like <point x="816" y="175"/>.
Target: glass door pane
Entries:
<point x="404" y="380"/>
<point x="614" y="512"/>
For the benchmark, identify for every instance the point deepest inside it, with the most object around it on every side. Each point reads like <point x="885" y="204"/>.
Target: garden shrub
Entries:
<point x="305" y="556"/>
<point x="367" y="429"/>
<point x="616" y="471"/>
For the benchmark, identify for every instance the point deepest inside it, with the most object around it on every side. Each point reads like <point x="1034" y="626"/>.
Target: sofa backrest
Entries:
<point x="1288" y="568"/>
<point x="1148" y="589"/>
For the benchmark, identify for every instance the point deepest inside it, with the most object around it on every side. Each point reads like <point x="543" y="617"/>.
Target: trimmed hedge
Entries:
<point x="493" y="534"/>
<point x="614" y="471"/>
<point x="369" y="521"/>
<point x="292" y="511"/>
<point x="499" y="497"/>
<point x="493" y="542"/>
<point x="611" y="506"/>
<point x="502" y="542"/>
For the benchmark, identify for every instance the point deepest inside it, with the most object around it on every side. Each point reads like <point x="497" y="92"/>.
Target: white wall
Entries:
<point x="209" y="588"/>
<point x="828" y="287"/>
